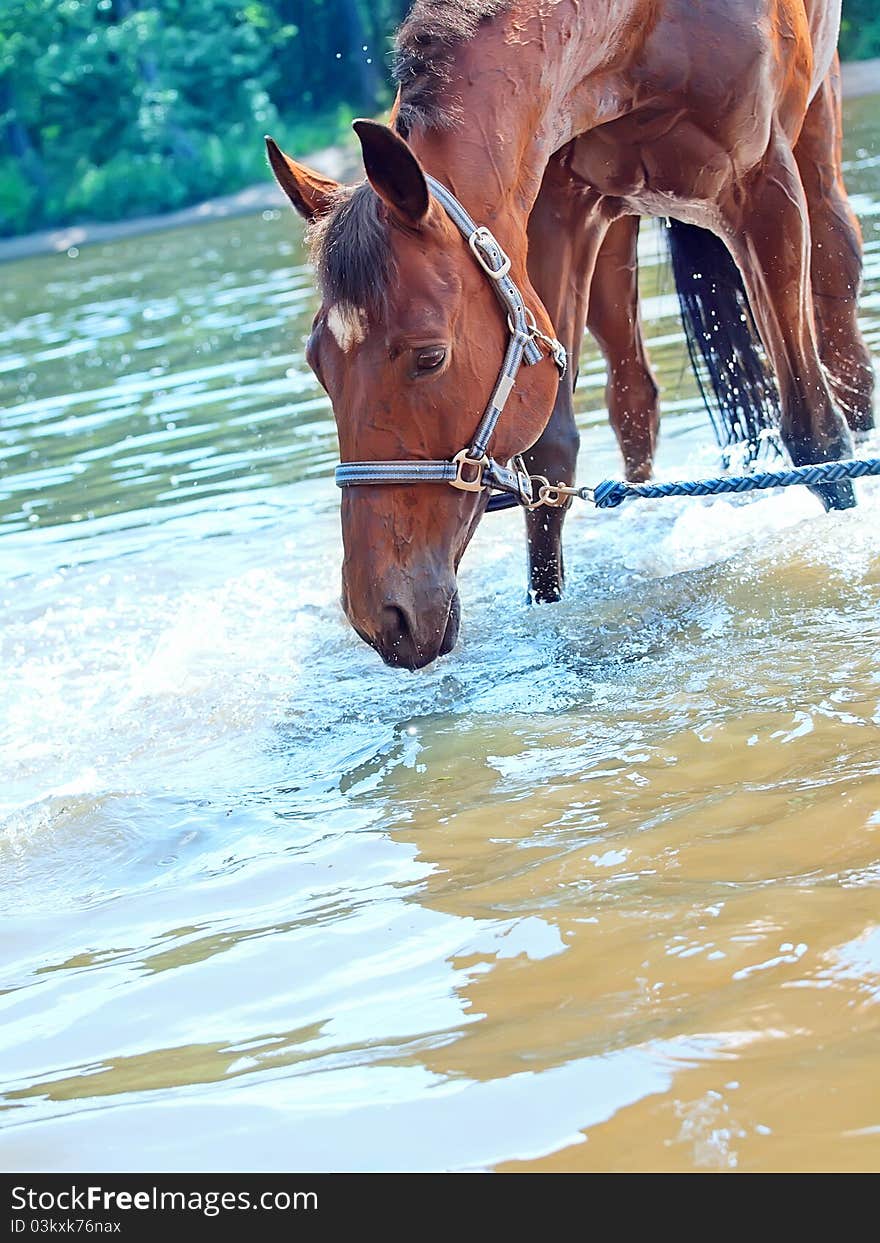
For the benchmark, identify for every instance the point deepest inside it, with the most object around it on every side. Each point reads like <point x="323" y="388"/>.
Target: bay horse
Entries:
<point x="556" y="124"/>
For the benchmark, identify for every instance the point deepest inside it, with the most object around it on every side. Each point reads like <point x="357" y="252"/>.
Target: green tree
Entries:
<point x="112" y="108"/>
<point x="23" y="178"/>
<point x="860" y="31"/>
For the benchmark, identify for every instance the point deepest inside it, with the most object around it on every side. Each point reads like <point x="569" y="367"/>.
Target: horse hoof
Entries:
<point x="836" y="495"/>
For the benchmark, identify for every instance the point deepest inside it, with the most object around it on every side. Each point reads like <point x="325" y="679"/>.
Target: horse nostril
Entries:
<point x="407" y="640"/>
<point x="394" y="623"/>
<point x="398" y="644"/>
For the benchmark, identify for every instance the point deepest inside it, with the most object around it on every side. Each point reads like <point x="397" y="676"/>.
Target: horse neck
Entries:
<point x="497" y="184"/>
<point x="521" y="89"/>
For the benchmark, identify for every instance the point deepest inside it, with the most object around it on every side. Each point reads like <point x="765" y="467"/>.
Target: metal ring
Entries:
<point x="544" y="483"/>
<point x="531" y="322"/>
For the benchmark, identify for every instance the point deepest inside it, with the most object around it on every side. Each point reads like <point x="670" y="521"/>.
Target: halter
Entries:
<point x="471" y="469"/>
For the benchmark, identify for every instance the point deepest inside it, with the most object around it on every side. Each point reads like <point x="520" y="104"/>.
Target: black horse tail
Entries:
<point x="736" y="383"/>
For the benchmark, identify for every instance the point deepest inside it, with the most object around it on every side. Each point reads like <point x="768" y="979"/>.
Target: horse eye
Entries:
<point x="430" y="360"/>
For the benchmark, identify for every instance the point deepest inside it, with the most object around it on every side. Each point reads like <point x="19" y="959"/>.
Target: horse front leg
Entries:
<point x="555" y="457"/>
<point x="768" y="231"/>
<point x="566" y="229"/>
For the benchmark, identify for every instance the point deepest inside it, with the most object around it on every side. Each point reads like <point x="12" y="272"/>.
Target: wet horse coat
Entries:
<point x="558" y="123"/>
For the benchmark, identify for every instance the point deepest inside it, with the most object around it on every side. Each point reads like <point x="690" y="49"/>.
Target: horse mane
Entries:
<point x="351" y="245"/>
<point x="425" y="53"/>
<point x="351" y="249"/>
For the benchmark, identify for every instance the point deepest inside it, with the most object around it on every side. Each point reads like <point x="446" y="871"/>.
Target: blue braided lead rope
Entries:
<point x="612" y="492"/>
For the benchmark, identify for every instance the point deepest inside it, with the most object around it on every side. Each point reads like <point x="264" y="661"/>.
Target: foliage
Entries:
<point x="860" y="31"/>
<point x="115" y="108"/>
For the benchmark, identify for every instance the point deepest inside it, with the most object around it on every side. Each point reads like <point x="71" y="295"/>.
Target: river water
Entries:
<point x="599" y="891"/>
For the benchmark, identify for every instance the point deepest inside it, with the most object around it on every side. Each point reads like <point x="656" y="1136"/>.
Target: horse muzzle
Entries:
<point x="407" y="634"/>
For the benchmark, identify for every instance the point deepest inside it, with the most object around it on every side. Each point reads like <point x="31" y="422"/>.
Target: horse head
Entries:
<point x="408" y="342"/>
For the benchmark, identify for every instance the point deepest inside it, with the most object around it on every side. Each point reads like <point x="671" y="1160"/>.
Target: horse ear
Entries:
<point x="393" y="171"/>
<point x="311" y="193"/>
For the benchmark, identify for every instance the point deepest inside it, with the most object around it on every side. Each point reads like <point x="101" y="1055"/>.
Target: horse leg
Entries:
<point x="615" y="322"/>
<point x="767" y="228"/>
<point x="836" y="261"/>
<point x="565" y="233"/>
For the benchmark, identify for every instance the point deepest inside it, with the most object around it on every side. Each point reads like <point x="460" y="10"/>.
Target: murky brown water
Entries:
<point x="599" y="891"/>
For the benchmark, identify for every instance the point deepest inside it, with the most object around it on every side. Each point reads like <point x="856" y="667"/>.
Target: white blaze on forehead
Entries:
<point x="347" y="325"/>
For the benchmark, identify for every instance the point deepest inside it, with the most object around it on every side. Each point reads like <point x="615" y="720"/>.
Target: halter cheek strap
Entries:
<point x="471" y="469"/>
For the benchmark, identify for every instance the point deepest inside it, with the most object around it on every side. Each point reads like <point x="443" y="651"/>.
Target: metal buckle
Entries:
<point x="557" y="350"/>
<point x="484" y="237"/>
<point x="461" y="461"/>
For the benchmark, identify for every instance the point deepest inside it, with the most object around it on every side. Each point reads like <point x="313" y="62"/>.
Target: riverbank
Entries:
<point x="859" y="78"/>
<point x="339" y="162"/>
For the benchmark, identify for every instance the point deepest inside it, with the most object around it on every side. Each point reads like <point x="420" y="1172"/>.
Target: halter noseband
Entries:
<point x="471" y="469"/>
